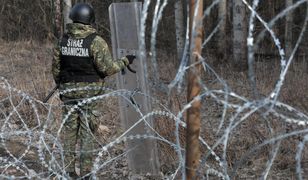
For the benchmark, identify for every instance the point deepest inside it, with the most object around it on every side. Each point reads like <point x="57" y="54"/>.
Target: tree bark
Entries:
<point x="58" y="18"/>
<point x="239" y="36"/>
<point x="222" y="38"/>
<point x="67" y="5"/>
<point x="179" y="28"/>
<point x="193" y="113"/>
<point x="288" y="30"/>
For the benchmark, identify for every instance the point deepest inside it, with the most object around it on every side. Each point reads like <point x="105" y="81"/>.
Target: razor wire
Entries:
<point x="42" y="141"/>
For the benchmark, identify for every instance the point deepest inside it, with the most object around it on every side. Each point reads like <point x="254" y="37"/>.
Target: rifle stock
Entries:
<point x="50" y="94"/>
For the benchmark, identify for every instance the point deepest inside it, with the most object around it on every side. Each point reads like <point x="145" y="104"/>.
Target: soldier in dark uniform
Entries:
<point x="82" y="59"/>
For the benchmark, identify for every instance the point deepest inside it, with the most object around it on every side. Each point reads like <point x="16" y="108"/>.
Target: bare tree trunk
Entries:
<point x="193" y="90"/>
<point x="179" y="27"/>
<point x="67" y="5"/>
<point x="222" y="38"/>
<point x="239" y="36"/>
<point x="223" y="14"/>
<point x="305" y="59"/>
<point x="288" y="30"/>
<point x="58" y="19"/>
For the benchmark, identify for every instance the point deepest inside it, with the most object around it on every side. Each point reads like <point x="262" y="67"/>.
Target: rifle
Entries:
<point x="57" y="86"/>
<point x="50" y="94"/>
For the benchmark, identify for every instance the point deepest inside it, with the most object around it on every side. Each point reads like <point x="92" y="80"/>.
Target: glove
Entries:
<point x="131" y="58"/>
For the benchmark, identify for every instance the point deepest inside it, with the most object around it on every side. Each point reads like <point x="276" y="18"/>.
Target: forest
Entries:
<point x="218" y="90"/>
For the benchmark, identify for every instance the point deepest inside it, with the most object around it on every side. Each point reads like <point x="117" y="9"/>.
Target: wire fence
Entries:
<point x="30" y="135"/>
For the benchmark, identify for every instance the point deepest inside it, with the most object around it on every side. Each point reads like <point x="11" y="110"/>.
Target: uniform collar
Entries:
<point x="79" y="30"/>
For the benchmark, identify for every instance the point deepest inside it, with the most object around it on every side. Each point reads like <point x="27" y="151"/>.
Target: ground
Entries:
<point x="26" y="67"/>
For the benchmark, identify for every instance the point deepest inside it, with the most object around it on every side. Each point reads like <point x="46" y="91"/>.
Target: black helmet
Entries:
<point x="82" y="13"/>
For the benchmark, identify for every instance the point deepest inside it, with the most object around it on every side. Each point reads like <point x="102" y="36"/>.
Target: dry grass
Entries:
<point x="27" y="66"/>
<point x="255" y="129"/>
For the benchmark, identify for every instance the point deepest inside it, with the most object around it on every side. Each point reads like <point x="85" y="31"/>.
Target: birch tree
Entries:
<point x="288" y="29"/>
<point x="239" y="36"/>
<point x="179" y="27"/>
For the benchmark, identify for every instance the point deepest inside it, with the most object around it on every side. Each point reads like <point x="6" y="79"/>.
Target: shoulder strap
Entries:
<point x="92" y="36"/>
